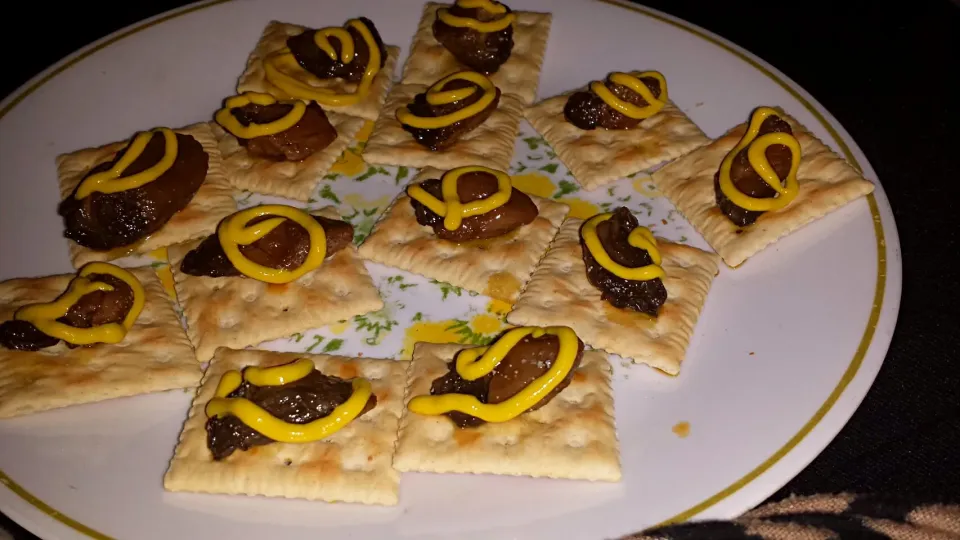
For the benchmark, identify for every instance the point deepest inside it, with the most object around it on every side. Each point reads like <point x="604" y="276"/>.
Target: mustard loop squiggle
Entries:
<point x="450" y="208"/>
<point x="475" y="363"/>
<point x="436" y="95"/>
<point x="633" y="82"/>
<point x="225" y="116"/>
<point x="786" y="189"/>
<point x="236" y="230"/>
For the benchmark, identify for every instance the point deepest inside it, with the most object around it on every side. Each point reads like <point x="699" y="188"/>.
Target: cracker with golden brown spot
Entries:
<point x="560" y="295"/>
<point x="238" y="311"/>
<point x="600" y="156"/>
<point x="154" y="356"/>
<point x="275" y="37"/>
<point x="491" y="143"/>
<point x="290" y="179"/>
<point x="352" y="465"/>
<point x="429" y="61"/>
<point x="573" y="436"/>
<point x="497" y="267"/>
<point x="212" y="202"/>
<point x="827" y="183"/>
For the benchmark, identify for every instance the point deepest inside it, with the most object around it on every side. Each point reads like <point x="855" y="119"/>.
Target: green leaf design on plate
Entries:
<point x="296" y="337"/>
<point x="417" y="317"/>
<point x="447" y="289"/>
<point x="566" y="187"/>
<point x="363" y="222"/>
<point x="467" y="335"/>
<point x="326" y="192"/>
<point x="378" y="328"/>
<point x="333" y="345"/>
<point x="371" y="171"/>
<point x="550" y="168"/>
<point x="402" y="173"/>
<point x="398" y="281"/>
<point x="534" y="142"/>
<point x="317" y="340"/>
<point x="331" y="176"/>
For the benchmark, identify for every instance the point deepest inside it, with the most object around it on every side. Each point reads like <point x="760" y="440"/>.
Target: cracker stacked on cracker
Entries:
<point x="297" y="179"/>
<point x="492" y="143"/>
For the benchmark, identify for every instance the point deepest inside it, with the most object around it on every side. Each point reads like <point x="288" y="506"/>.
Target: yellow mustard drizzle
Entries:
<point x="225" y="116"/>
<point x="235" y="231"/>
<point x="494" y="8"/>
<point x="757" y="157"/>
<point x="450" y="208"/>
<point x="44" y="316"/>
<point x="436" y="95"/>
<point x="633" y="82"/>
<point x="324" y="96"/>
<point x="270" y="426"/>
<point x="641" y="237"/>
<point x="475" y="363"/>
<point x="113" y="181"/>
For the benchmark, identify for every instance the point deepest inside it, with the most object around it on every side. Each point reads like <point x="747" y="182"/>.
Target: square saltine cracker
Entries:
<point x="573" y="436"/>
<point x="491" y="144"/>
<point x="429" y="61"/>
<point x="600" y="156"/>
<point x="212" y="202"/>
<point x="154" y="356"/>
<point x="560" y="295"/>
<point x="274" y="38"/>
<point x="352" y="465"/>
<point x="238" y="311"/>
<point x="291" y="179"/>
<point x="827" y="182"/>
<point x="497" y="267"/>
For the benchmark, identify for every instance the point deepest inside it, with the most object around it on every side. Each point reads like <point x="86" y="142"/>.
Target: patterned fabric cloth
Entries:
<point x="822" y="517"/>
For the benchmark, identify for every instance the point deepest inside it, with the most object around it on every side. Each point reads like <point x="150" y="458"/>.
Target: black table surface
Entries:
<point x="890" y="75"/>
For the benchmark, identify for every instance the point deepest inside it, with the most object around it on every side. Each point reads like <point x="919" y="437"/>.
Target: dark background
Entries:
<point x="890" y="75"/>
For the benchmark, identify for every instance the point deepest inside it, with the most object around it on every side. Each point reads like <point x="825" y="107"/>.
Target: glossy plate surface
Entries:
<point x="786" y="346"/>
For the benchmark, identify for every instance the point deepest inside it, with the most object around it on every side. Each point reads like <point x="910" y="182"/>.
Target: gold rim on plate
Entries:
<point x="848" y="374"/>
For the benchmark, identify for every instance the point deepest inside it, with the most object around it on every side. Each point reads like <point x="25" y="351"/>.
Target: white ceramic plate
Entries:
<point x="785" y="349"/>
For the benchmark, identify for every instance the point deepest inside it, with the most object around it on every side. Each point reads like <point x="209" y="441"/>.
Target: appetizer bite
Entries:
<point x="270" y="271"/>
<point x="533" y="403"/>
<point x="292" y="425"/>
<point x="616" y="127"/>
<point x="346" y="69"/>
<point x="757" y="183"/>
<point x="462" y="119"/>
<point x="483" y="36"/>
<point x="467" y="227"/>
<point x="162" y="187"/>
<point x="280" y="148"/>
<point x="103" y="333"/>
<point x="620" y="289"/>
